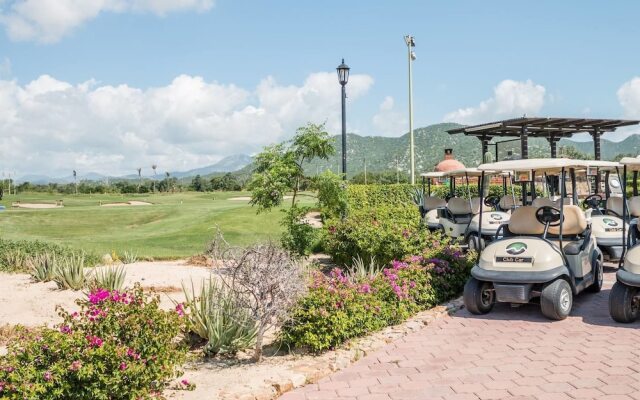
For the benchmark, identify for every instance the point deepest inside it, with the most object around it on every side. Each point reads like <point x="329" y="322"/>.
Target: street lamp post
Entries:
<point x="343" y="78"/>
<point x="410" y="42"/>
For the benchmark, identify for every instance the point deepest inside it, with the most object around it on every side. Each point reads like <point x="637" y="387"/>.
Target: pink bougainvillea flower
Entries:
<point x="185" y="382"/>
<point x="94" y="341"/>
<point x="75" y="366"/>
<point x="47" y="376"/>
<point x="65" y="329"/>
<point x="98" y="296"/>
<point x="123" y="366"/>
<point x="180" y="309"/>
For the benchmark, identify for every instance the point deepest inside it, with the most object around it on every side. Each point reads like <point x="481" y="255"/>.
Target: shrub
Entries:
<point x="119" y="345"/>
<point x="298" y="237"/>
<point x="69" y="273"/>
<point x="216" y="316"/>
<point x="109" y="278"/>
<point x="42" y="267"/>
<point x="129" y="257"/>
<point x="386" y="232"/>
<point x="14" y="254"/>
<point x="337" y="308"/>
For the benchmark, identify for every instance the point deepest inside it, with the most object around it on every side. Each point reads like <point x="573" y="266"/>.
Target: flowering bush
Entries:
<point x="118" y="345"/>
<point x="337" y="308"/>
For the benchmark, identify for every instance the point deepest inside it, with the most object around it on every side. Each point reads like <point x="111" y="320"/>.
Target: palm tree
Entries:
<point x="75" y="180"/>
<point x="139" y="178"/>
<point x="154" y="167"/>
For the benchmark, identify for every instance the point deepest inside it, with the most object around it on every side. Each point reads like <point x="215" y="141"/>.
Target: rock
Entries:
<point x="282" y="386"/>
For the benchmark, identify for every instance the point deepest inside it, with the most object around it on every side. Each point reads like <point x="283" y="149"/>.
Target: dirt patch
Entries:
<point x="127" y="203"/>
<point x="35" y="205"/>
<point x="314" y="219"/>
<point x="247" y="198"/>
<point x="21" y="299"/>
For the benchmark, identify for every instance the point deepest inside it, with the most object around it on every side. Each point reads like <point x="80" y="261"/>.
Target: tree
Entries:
<point x="196" y="184"/>
<point x="620" y="156"/>
<point x="154" y="167"/>
<point x="573" y="153"/>
<point x="279" y="170"/>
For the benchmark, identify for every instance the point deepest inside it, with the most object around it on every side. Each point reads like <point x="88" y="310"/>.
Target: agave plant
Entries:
<point x="14" y="260"/>
<point x="418" y="196"/>
<point x="110" y="278"/>
<point x="129" y="257"/>
<point x="360" y="270"/>
<point x="217" y="316"/>
<point x="42" y="267"/>
<point x="69" y="272"/>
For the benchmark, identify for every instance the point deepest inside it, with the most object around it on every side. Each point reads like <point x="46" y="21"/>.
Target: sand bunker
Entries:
<point x="247" y="198"/>
<point x="36" y="205"/>
<point x="128" y="203"/>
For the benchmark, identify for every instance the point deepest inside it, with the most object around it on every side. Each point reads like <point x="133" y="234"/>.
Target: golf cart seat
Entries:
<point x="634" y="206"/>
<point x="507" y="203"/>
<point x="458" y="210"/>
<point x="475" y="205"/>
<point x="614" y="204"/>
<point x="574" y="222"/>
<point x="545" y="201"/>
<point x="523" y="222"/>
<point x="432" y="202"/>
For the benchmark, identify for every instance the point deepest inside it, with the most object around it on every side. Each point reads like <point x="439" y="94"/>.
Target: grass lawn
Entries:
<point x="176" y="225"/>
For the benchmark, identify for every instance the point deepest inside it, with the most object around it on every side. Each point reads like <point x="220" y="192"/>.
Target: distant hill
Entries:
<point x="228" y="164"/>
<point x="384" y="153"/>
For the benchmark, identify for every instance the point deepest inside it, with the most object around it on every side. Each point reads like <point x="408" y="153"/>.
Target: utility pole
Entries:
<point x="410" y="42"/>
<point x="365" y="170"/>
<point x="397" y="171"/>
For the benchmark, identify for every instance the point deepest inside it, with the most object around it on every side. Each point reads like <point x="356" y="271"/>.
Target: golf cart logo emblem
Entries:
<point x="610" y="222"/>
<point x="497" y="217"/>
<point x="516" y="248"/>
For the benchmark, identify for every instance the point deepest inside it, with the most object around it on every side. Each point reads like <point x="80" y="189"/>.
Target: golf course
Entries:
<point x="172" y="225"/>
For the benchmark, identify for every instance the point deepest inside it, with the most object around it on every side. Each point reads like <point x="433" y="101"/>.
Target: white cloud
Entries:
<point x="510" y="99"/>
<point x="629" y="98"/>
<point x="388" y="121"/>
<point x="51" y="126"/>
<point x="50" y="20"/>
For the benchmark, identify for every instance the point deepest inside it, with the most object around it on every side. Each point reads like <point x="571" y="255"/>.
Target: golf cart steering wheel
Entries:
<point x="548" y="215"/>
<point x="492" y="201"/>
<point x="592" y="201"/>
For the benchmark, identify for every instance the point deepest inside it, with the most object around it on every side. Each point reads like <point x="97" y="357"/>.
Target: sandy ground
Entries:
<point x="21" y="299"/>
<point x="35" y="205"/>
<point x="314" y="219"/>
<point x="247" y="198"/>
<point x="128" y="203"/>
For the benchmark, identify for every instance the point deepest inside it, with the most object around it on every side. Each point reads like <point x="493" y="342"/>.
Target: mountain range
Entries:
<point x="391" y="153"/>
<point x="228" y="164"/>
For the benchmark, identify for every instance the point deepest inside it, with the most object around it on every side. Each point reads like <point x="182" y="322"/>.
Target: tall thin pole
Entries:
<point x="365" y="170"/>
<point x="411" y="148"/>
<point x="344" y="134"/>
<point x="397" y="171"/>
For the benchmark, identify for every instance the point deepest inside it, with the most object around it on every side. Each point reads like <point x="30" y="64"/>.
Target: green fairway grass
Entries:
<point x="176" y="225"/>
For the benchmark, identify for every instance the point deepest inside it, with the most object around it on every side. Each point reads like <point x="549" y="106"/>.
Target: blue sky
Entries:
<point x="184" y="82"/>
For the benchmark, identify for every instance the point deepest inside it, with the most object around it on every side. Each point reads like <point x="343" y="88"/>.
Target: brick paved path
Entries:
<point x="507" y="354"/>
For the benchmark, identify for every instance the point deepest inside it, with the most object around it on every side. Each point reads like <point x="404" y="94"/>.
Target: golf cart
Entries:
<point x="431" y="204"/>
<point x="545" y="253"/>
<point x="604" y="212"/>
<point x="624" y="299"/>
<point x="459" y="219"/>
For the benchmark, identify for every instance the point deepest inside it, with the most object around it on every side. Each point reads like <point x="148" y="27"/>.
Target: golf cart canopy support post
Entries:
<point x="553" y="129"/>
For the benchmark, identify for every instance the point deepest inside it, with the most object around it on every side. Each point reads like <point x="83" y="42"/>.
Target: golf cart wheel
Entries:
<point x="474" y="243"/>
<point x="556" y="300"/>
<point x="479" y="296"/>
<point x="622" y="306"/>
<point x="599" y="277"/>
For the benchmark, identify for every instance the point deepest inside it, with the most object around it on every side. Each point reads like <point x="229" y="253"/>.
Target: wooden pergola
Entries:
<point x="552" y="129"/>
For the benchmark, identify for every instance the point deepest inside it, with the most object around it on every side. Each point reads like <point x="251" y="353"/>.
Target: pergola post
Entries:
<point x="484" y="139"/>
<point x="596" y="142"/>
<point x="552" y="143"/>
<point x="524" y="143"/>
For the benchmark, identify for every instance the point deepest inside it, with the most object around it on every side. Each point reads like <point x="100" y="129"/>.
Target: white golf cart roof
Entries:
<point x="434" y="174"/>
<point x="548" y="165"/>
<point x="464" y="172"/>
<point x="632" y="163"/>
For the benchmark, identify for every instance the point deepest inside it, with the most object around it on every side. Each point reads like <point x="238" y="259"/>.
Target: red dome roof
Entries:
<point x="449" y="165"/>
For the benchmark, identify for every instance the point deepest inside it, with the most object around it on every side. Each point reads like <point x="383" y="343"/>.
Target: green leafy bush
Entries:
<point x="215" y="315"/>
<point x="118" y="346"/>
<point x="298" y="237"/>
<point x="14" y="254"/>
<point x="338" y="308"/>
